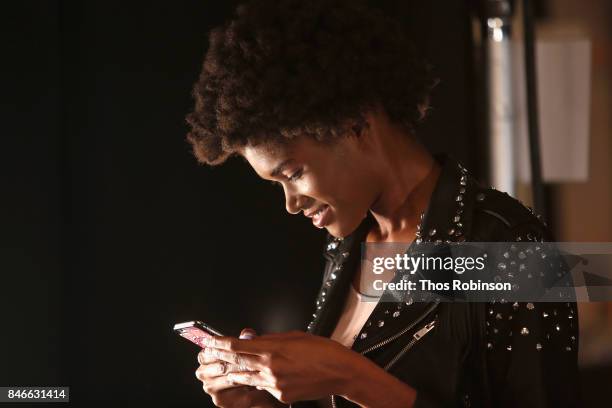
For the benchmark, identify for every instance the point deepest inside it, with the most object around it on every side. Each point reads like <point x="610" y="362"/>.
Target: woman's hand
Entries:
<point x="213" y="374"/>
<point x="291" y="366"/>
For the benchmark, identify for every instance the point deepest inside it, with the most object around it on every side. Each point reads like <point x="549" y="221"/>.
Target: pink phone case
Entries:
<point x="194" y="335"/>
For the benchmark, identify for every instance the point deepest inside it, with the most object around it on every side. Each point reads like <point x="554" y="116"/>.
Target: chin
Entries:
<point x="342" y="229"/>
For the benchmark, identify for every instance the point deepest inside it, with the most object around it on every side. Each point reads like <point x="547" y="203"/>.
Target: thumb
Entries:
<point x="247" y="333"/>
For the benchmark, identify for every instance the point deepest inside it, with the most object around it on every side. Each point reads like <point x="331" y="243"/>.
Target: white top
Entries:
<point x="356" y="311"/>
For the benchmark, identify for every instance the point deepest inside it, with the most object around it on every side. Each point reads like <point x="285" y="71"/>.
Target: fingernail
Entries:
<point x="247" y="336"/>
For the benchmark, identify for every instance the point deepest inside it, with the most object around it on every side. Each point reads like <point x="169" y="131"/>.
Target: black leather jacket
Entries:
<point x="476" y="354"/>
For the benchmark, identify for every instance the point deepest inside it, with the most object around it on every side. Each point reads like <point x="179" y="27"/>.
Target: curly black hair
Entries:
<point x="303" y="67"/>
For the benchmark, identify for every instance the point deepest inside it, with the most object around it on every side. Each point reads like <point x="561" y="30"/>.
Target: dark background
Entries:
<point x="111" y="232"/>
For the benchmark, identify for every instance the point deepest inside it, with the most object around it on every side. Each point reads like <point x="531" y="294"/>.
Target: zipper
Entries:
<point x="415" y="338"/>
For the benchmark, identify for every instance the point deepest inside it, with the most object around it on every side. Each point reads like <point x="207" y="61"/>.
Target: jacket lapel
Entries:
<point x="447" y="219"/>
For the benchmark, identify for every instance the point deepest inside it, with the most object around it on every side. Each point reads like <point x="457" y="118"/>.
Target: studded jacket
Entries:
<point x="492" y="354"/>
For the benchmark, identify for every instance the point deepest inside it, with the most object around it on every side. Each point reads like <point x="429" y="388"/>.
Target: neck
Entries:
<point x="408" y="178"/>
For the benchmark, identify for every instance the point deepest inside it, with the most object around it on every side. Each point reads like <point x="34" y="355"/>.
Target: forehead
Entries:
<point x="264" y="158"/>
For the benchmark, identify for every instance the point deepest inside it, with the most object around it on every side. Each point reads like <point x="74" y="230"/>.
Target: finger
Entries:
<point x="216" y="384"/>
<point x="251" y="378"/>
<point x="250" y="346"/>
<point x="219" y="368"/>
<point x="247" y="333"/>
<point x="205" y="357"/>
<point x="248" y="362"/>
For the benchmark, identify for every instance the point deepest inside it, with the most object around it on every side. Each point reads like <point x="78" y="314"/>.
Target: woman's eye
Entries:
<point x="296" y="175"/>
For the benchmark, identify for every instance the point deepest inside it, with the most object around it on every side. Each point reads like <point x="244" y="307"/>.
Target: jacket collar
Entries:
<point x="447" y="219"/>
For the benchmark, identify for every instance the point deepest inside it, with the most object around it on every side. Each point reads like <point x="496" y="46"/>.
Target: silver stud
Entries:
<point x="558" y="327"/>
<point x="381" y="323"/>
<point x="501" y="266"/>
<point x="490" y="346"/>
<point x="522" y="255"/>
<point x="451" y="231"/>
<point x="333" y="276"/>
<point x="509" y="347"/>
<point x="332" y="245"/>
<point x="506" y="254"/>
<point x="396" y="313"/>
<point x="459" y="198"/>
<point x="499" y="316"/>
<point x="544" y="314"/>
<point x="462" y="190"/>
<point x="515" y="305"/>
<point x="530" y="306"/>
<point x="568" y="348"/>
<point x="345" y="254"/>
<point x="524" y="331"/>
<point x="432" y="232"/>
<point x="409" y="301"/>
<point x="480" y="197"/>
<point x="363" y="335"/>
<point x="538" y="346"/>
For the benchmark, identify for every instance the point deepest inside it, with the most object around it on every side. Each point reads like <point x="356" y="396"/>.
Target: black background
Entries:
<point x="111" y="232"/>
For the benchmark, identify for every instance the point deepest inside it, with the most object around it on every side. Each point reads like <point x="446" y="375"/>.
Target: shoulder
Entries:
<point x="497" y="216"/>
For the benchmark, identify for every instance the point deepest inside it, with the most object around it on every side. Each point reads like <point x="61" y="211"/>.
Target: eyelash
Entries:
<point x="296" y="175"/>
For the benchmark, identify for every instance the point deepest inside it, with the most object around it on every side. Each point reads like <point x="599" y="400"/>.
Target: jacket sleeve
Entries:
<point x="532" y="354"/>
<point x="532" y="347"/>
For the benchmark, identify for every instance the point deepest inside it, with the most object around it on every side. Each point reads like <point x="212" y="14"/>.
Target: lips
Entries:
<point x="310" y="214"/>
<point x="321" y="216"/>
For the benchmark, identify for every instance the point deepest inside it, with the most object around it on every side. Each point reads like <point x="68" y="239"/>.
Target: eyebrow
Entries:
<point x="279" y="169"/>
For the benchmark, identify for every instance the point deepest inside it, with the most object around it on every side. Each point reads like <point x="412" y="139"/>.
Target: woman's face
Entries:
<point x="332" y="184"/>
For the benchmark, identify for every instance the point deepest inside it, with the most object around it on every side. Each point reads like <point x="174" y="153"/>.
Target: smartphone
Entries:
<point x="195" y="331"/>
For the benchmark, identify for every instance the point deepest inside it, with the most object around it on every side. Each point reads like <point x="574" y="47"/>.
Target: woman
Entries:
<point x="323" y="98"/>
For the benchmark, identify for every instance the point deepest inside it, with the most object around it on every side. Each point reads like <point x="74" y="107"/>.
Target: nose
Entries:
<point x="293" y="202"/>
